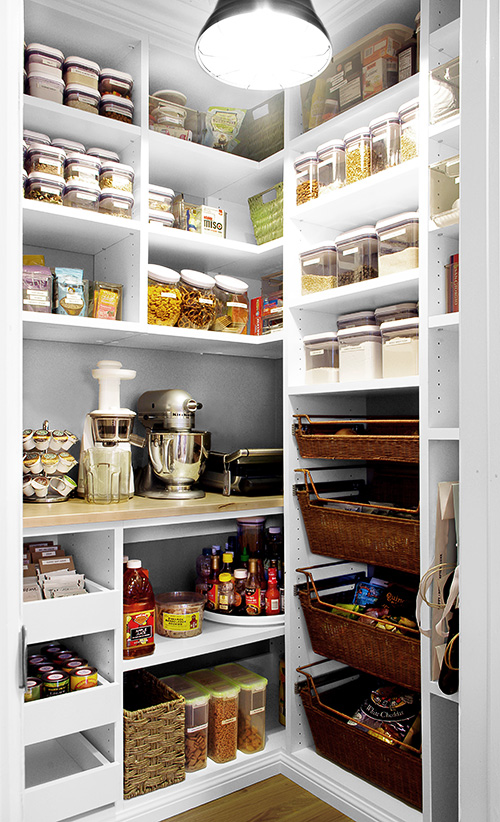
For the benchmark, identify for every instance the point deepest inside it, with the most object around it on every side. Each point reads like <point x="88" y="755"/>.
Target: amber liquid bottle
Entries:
<point x="253" y="601"/>
<point x="213" y="584"/>
<point x="138" y="612"/>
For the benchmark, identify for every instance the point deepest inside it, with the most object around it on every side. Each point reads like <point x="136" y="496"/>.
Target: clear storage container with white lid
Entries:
<point x="222" y="713"/>
<point x="358" y="155"/>
<point x="408" y="117"/>
<point x="400" y="347"/>
<point x="385" y="132"/>
<point x="322" y="357"/>
<point x="81" y="168"/>
<point x="82" y="195"/>
<point x="357" y="255"/>
<point x="82" y="98"/>
<point x="45" y="87"/>
<point x="331" y="166"/>
<point x="196" y="719"/>
<point x="35" y="138"/>
<point x="445" y="91"/>
<point x="356" y="318"/>
<point x="81" y="71"/>
<point x="160" y="198"/>
<point x="400" y="311"/>
<point x="164" y="296"/>
<point x="232" y="305"/>
<point x="398" y="243"/>
<point x="46" y="188"/>
<point x="117" y="176"/>
<point x="104" y="154"/>
<point x="445" y="191"/>
<point x="306" y="172"/>
<point x="360" y="353"/>
<point x="169" y="113"/>
<point x="198" y="300"/>
<point x="46" y="57"/>
<point x="162" y="218"/>
<point x="47" y="159"/>
<point x="319" y="268"/>
<point x="251" y="706"/>
<point x="112" y="81"/>
<point x="69" y="146"/>
<point x="117" y="108"/>
<point x="116" y="203"/>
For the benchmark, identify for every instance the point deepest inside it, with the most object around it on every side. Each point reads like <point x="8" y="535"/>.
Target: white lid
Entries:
<point x="117" y="168"/>
<point x="166" y="192"/>
<point x="117" y="195"/>
<point x="409" y="106"/>
<point x="43" y="177"/>
<point x="77" y="88"/>
<point x="357" y="315"/>
<point x="357" y="234"/>
<point x="197" y="278"/>
<point x="36" y="137"/>
<point x="93" y="188"/>
<point x="305" y="158"/>
<point x="398" y="219"/>
<point x="230" y="284"/>
<point x="69" y="145"/>
<point x="240" y="573"/>
<point x="162" y="274"/>
<point x="81" y="61"/>
<point x="134" y="563"/>
<point x="325" y="246"/>
<point x="82" y="159"/>
<point x="47" y="151"/>
<point x="400" y="325"/>
<point x="323" y="336"/>
<point x="171" y="96"/>
<point x="161" y="217"/>
<point x="119" y="101"/>
<point x="391" y="117"/>
<point x="116" y="75"/>
<point x="357" y="133"/>
<point x="360" y="331"/>
<point x="38" y="48"/>
<point x="42" y="75"/>
<point x="325" y="148"/>
<point x="394" y="309"/>
<point x="104" y="154"/>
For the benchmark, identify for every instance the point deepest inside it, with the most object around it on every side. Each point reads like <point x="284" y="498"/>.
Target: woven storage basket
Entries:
<point x="395" y="769"/>
<point x="153" y="735"/>
<point x="389" y="440"/>
<point x="368" y="648"/>
<point x="267" y="217"/>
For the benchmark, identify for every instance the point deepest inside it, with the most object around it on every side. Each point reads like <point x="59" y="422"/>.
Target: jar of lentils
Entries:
<point x="306" y="170"/>
<point x="358" y="155"/>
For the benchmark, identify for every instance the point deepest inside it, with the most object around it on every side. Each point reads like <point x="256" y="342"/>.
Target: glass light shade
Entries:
<point x="263" y="46"/>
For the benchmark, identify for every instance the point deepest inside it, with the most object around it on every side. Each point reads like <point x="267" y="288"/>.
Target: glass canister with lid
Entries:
<point x="81" y="71"/>
<point x="306" y="171"/>
<point x="398" y="243"/>
<point x="160" y="198"/>
<point x="400" y="311"/>
<point x="81" y="97"/>
<point x="385" y="132"/>
<point x="322" y="357"/>
<point x="232" y="305"/>
<point x="47" y="159"/>
<point x="82" y="195"/>
<point x="118" y="176"/>
<point x="358" y="155"/>
<point x="356" y="318"/>
<point x="408" y="117"/>
<point x="69" y="146"/>
<point x="319" y="268"/>
<point x="164" y="296"/>
<point x="116" y="82"/>
<point x="117" y="108"/>
<point x="400" y="347"/>
<point x="161" y="218"/>
<point x="103" y="154"/>
<point x="34" y="138"/>
<point x="357" y="255"/>
<point x="116" y="203"/>
<point x="198" y="307"/>
<point x="81" y="168"/>
<point x="331" y="166"/>
<point x="360" y="353"/>
<point x="46" y="188"/>
<point x="45" y="58"/>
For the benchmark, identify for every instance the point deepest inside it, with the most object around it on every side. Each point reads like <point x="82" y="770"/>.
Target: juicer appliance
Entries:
<point x="177" y="453"/>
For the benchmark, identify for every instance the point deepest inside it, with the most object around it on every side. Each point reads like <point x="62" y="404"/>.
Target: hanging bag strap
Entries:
<point x="423" y="587"/>
<point x="442" y="627"/>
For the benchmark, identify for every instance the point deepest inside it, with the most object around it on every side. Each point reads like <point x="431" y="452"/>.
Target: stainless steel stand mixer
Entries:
<point x="177" y="453"/>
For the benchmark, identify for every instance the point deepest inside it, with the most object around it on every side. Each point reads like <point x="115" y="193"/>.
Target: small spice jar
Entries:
<point x="46" y="188"/>
<point x="198" y="307"/>
<point x="103" y="155"/>
<point x="319" y="268"/>
<point x="164" y="297"/>
<point x="331" y="166"/>
<point x="82" y="195"/>
<point x="306" y="171"/>
<point x="69" y="146"/>
<point x="385" y="133"/>
<point x="357" y="255"/>
<point x="82" y="97"/>
<point x="118" y="108"/>
<point x="116" y="203"/>
<point x="322" y="357"/>
<point x="116" y="82"/>
<point x="117" y="176"/>
<point x="232" y="305"/>
<point x="45" y="86"/>
<point x="44" y="58"/>
<point x="408" y="117"/>
<point x="358" y="155"/>
<point x="160" y="199"/>
<point x="47" y="159"/>
<point x="81" y="71"/>
<point x="398" y="243"/>
<point x="81" y="168"/>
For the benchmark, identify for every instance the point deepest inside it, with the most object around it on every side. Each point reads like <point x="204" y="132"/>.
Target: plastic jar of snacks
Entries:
<point x="331" y="166"/>
<point x="322" y="357"/>
<point x="47" y="159"/>
<point x="196" y="720"/>
<point x="400" y="347"/>
<point x="160" y="199"/>
<point x="198" y="307"/>
<point x="69" y="146"/>
<point x="179" y="614"/>
<point x="232" y="305"/>
<point x="81" y="71"/>
<point x="44" y="58"/>
<point x="82" y="98"/>
<point x="408" y="117"/>
<point x="306" y="171"/>
<point x="357" y="255"/>
<point x="401" y="311"/>
<point x="81" y="168"/>
<point x="117" y="176"/>
<point x="164" y="297"/>
<point x="385" y="133"/>
<point x="222" y="713"/>
<point x="45" y="86"/>
<point x="164" y="219"/>
<point x="398" y="243"/>
<point x="103" y="155"/>
<point x="112" y="81"/>
<point x="360" y="353"/>
<point x="319" y="268"/>
<point x="251" y="706"/>
<point x="46" y="188"/>
<point x="116" y="203"/>
<point x="356" y="318"/>
<point x="358" y="155"/>
<point x="117" y="108"/>
<point x="82" y="195"/>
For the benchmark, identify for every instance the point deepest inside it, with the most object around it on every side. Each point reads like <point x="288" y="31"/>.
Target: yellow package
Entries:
<point x="33" y="259"/>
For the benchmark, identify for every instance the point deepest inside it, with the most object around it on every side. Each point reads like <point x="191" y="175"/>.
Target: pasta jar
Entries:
<point x="398" y="243"/>
<point x="82" y="98"/>
<point x="306" y="171"/>
<point x="198" y="307"/>
<point x="232" y="305"/>
<point x="118" y="108"/>
<point x="82" y="195"/>
<point x="160" y="199"/>
<point x="81" y="168"/>
<point x="47" y="159"/>
<point x="164" y="297"/>
<point x="116" y="82"/>
<point x="385" y="133"/>
<point x="357" y="255"/>
<point x="81" y="71"/>
<point x="46" y="188"/>
<point x="331" y="166"/>
<point x="116" y="203"/>
<point x="117" y="176"/>
<point x="319" y="268"/>
<point x="358" y="155"/>
<point x="408" y="117"/>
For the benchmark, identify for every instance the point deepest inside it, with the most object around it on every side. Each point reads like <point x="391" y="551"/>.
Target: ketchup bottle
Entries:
<point x="138" y="612"/>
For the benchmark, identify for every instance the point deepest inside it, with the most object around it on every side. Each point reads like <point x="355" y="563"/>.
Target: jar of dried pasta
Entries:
<point x="117" y="176"/>
<point x="358" y="155"/>
<point x="160" y="198"/>
<point x="306" y="172"/>
<point x="199" y="304"/>
<point x="81" y="168"/>
<point x="164" y="297"/>
<point x="47" y="159"/>
<point x="232" y="305"/>
<point x="46" y="188"/>
<point x="116" y="203"/>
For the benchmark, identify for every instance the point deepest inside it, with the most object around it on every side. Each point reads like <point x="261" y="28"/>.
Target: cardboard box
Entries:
<point x="36" y="556"/>
<point x="383" y="47"/>
<point x="379" y="75"/>
<point x="256" y="316"/>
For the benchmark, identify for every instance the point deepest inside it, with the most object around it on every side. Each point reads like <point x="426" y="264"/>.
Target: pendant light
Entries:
<point x="263" y="44"/>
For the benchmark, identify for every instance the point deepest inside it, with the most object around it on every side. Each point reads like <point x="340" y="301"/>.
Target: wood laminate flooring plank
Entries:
<point x="277" y="799"/>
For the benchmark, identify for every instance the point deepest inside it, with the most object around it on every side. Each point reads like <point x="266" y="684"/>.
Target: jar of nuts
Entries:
<point x="358" y="155"/>
<point x="357" y="255"/>
<point x="118" y="108"/>
<point x="117" y="176"/>
<point x="408" y="116"/>
<point x="232" y="305"/>
<point x="319" y="268"/>
<point x="385" y="133"/>
<point x="46" y="159"/>
<point x="164" y="296"/>
<point x="331" y="166"/>
<point x="46" y="188"/>
<point x="306" y="171"/>
<point x="199" y="305"/>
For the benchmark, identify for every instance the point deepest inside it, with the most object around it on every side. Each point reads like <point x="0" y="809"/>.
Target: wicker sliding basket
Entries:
<point x="368" y="648"/>
<point x="355" y="534"/>
<point x="153" y="735"/>
<point x="266" y="212"/>
<point x="396" y="769"/>
<point x="390" y="440"/>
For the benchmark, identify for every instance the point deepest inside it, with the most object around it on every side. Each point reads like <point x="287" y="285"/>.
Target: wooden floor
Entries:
<point x="277" y="799"/>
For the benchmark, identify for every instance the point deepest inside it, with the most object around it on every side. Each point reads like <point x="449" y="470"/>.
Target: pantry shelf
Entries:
<point x="441" y="321"/>
<point x="444" y="434"/>
<point x="452" y="231"/>
<point x="43" y="618"/>
<point x="390" y="289"/>
<point x="447" y="132"/>
<point x="389" y="386"/>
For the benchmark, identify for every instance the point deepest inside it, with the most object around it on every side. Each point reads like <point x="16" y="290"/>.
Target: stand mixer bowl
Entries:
<point x="178" y="459"/>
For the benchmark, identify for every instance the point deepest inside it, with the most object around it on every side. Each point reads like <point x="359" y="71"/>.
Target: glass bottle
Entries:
<point x="213" y="583"/>
<point x="253" y="605"/>
<point x="225" y="601"/>
<point x="227" y="564"/>
<point x="275" y="550"/>
<point x="203" y="567"/>
<point x="272" y="594"/>
<point x="138" y="612"/>
<point x="240" y="582"/>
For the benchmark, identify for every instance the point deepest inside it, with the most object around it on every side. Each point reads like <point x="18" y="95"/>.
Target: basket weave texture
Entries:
<point x="153" y="737"/>
<point x="388" y="440"/>
<point x="267" y="217"/>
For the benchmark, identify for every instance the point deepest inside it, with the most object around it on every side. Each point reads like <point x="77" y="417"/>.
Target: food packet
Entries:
<point x="70" y="292"/>
<point x="390" y="713"/>
<point x="222" y="127"/>
<point x="37" y="289"/>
